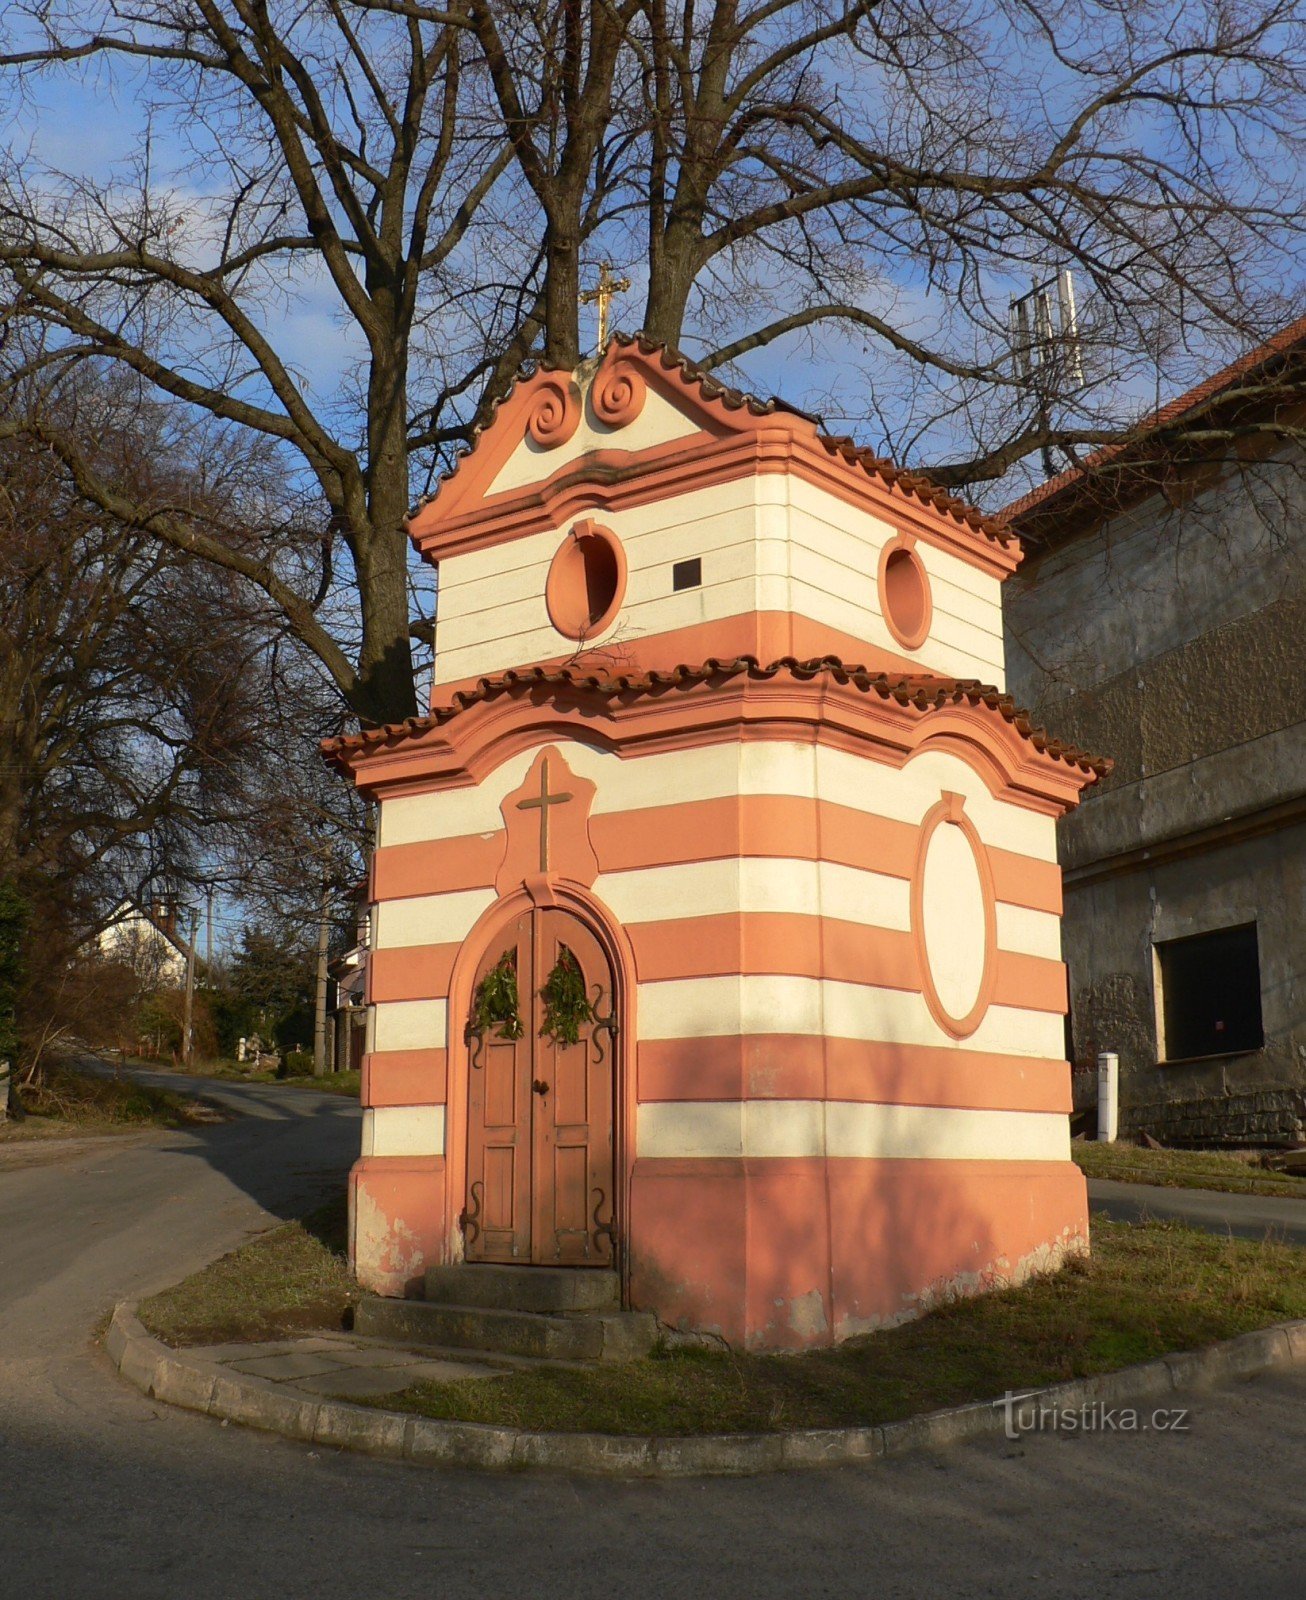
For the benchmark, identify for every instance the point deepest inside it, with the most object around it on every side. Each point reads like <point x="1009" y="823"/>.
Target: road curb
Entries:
<point x="180" y="1379"/>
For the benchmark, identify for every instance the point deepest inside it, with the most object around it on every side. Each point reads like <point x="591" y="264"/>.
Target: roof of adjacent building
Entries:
<point x="1104" y="482"/>
<point x="921" y="692"/>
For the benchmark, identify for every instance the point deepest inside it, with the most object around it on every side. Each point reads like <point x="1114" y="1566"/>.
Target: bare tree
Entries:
<point x="886" y="174"/>
<point x="125" y="706"/>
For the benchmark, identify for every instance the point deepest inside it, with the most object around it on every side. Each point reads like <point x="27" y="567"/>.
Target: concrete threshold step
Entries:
<point x="597" y="1336"/>
<point x="511" y="1288"/>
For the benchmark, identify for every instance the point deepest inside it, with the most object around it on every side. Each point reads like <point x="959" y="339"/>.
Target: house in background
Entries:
<point x="151" y="942"/>
<point x="348" y="972"/>
<point x="1160" y="616"/>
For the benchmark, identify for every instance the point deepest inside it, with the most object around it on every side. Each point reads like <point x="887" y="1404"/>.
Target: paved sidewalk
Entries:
<point x="340" y="1365"/>
<point x="294" y="1391"/>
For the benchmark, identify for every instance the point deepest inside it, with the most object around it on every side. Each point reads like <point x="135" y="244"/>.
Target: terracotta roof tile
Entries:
<point x="921" y="691"/>
<point x="913" y="484"/>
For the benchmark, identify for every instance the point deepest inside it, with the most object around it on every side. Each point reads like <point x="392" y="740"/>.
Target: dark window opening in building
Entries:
<point x="687" y="574"/>
<point x="1211" y="994"/>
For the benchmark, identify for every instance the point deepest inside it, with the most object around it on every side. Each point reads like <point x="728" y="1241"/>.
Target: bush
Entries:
<point x="158" y="1023"/>
<point x="296" y="1064"/>
<point x="234" y="1018"/>
<point x="293" y="1025"/>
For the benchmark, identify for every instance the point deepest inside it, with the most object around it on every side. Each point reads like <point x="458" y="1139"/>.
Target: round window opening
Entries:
<point x="905" y="596"/>
<point x="587" y="581"/>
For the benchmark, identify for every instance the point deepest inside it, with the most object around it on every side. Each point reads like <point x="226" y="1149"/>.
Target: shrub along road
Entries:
<point x="107" y="1494"/>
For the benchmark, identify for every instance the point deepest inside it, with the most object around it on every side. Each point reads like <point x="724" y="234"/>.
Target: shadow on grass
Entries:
<point x="286" y="1281"/>
<point x="1147" y="1292"/>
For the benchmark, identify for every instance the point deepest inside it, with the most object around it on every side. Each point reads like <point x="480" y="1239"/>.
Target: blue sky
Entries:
<point x="90" y="123"/>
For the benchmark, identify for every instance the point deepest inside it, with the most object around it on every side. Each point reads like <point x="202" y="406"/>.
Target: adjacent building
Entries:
<point x="1160" y="616"/>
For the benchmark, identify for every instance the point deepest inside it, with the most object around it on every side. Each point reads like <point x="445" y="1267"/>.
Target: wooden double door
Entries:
<point x="541" y="1054"/>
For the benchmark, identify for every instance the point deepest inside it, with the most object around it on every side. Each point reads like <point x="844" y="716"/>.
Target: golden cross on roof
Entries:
<point x="603" y="292"/>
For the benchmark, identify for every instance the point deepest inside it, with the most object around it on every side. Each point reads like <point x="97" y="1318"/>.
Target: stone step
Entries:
<point x="598" y="1336"/>
<point x="508" y="1288"/>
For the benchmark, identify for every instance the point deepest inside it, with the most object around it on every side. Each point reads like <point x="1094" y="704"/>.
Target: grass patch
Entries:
<point x="1148" y="1290"/>
<point x="67" y="1102"/>
<point x="346" y="1083"/>
<point x="291" y="1278"/>
<point x="1183" y="1169"/>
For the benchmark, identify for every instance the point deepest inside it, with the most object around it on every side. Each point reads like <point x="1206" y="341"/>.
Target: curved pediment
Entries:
<point x="641" y="424"/>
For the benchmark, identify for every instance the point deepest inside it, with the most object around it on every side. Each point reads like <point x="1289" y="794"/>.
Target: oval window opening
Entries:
<point x="905" y="597"/>
<point x="600" y="564"/>
<point x="586" y="582"/>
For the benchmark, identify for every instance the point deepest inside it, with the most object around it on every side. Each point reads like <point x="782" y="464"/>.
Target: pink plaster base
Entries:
<point x="397" y="1224"/>
<point x="773" y="1254"/>
<point x="792" y="1255"/>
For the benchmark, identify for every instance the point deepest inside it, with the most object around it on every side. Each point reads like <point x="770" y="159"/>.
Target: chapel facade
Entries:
<point x="716" y="904"/>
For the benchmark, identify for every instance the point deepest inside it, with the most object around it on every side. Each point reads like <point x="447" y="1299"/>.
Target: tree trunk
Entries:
<point x="386" y="691"/>
<point x="562" y="295"/>
<point x="669" y="286"/>
<point x="320" y="996"/>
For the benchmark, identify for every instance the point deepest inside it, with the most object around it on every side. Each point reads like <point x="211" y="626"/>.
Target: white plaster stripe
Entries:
<point x="844" y="1130"/>
<point x="1031" y="933"/>
<point x="409" y="1025"/>
<point x="759" y="767"/>
<point x="429" y="918"/>
<point x="654" y="534"/>
<point x="403" y="1131"/>
<point x="907" y="794"/>
<point x="692" y="1008"/>
<point x="955" y="648"/>
<point x="757" y="884"/>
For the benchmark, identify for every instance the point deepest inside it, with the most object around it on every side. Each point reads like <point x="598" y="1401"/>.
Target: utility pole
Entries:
<point x="320" y="999"/>
<point x="188" y="1016"/>
<point x="1044" y="329"/>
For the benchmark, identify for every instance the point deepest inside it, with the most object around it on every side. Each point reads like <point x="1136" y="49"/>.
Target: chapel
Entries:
<point x="715" y="954"/>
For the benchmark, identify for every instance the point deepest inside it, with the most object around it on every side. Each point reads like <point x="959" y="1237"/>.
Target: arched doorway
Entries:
<point x="541" y="1081"/>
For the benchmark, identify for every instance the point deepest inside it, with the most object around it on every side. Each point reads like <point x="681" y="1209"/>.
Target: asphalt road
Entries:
<point x="1248" y="1216"/>
<point x="103" y="1493"/>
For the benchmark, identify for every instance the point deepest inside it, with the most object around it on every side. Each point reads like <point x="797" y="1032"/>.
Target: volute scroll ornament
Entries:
<point x="555" y="414"/>
<point x="618" y="393"/>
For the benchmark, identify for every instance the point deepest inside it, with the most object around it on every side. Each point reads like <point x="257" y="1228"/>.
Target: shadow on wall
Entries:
<point x="790" y="1255"/>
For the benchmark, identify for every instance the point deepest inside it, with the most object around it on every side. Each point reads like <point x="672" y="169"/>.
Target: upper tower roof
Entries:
<point x="636" y="513"/>
<point x="641" y="422"/>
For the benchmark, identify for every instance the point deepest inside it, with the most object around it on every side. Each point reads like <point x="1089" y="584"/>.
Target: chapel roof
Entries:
<point x="710" y="390"/>
<point x="922" y="692"/>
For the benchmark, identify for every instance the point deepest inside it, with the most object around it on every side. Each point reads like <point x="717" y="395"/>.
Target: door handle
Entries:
<point x="540" y="1087"/>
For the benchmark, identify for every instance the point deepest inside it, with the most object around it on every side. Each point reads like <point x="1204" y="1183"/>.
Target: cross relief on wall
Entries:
<point x="546" y="820"/>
